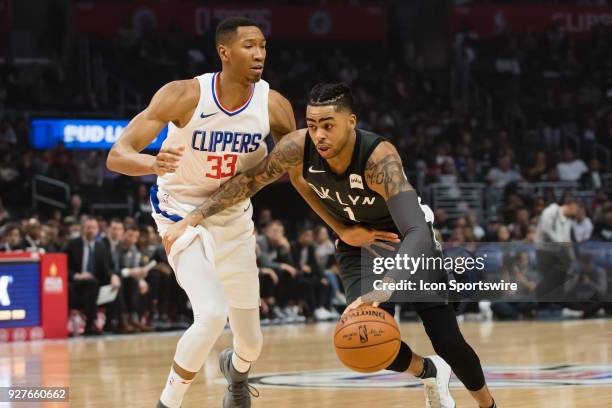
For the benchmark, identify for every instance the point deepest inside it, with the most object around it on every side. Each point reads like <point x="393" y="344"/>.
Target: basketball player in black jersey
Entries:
<point x="360" y="181"/>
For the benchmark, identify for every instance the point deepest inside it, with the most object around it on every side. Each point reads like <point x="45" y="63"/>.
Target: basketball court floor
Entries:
<point x="527" y="364"/>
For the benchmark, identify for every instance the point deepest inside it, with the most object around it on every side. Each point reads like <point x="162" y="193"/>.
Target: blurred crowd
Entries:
<point x="520" y="107"/>
<point x="118" y="256"/>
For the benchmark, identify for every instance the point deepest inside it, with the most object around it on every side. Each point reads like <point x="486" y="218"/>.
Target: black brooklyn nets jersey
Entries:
<point x="347" y="195"/>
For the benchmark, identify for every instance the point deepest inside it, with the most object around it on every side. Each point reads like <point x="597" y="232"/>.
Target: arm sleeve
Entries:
<point x="412" y="223"/>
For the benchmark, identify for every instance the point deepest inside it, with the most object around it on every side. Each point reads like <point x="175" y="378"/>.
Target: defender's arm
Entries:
<point x="172" y="103"/>
<point x="286" y="155"/>
<point x="282" y="119"/>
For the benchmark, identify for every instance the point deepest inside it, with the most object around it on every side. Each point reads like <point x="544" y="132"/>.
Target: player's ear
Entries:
<point x="352" y="121"/>
<point x="223" y="52"/>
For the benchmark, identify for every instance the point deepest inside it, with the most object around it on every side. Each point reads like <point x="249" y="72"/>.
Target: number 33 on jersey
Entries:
<point x="218" y="142"/>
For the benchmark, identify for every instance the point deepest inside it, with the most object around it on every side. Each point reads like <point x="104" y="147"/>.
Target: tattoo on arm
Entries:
<point x="286" y="155"/>
<point x="386" y="176"/>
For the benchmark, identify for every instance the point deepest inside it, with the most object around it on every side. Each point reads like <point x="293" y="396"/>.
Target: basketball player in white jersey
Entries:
<point x="217" y="125"/>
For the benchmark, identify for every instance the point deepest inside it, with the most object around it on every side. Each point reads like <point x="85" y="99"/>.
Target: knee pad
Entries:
<point x="210" y="321"/>
<point x="249" y="348"/>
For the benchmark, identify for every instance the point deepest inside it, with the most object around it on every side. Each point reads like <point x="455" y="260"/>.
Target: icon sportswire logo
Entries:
<point x="310" y="169"/>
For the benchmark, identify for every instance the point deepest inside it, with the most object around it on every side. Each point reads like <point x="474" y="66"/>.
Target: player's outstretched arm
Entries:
<point x="172" y="103"/>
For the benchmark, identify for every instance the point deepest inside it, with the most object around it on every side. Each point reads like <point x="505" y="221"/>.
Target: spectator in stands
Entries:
<point x="553" y="246"/>
<point x="12" y="240"/>
<point x="503" y="174"/>
<point x="582" y="227"/>
<point x="472" y="222"/>
<point x="76" y="206"/>
<point x="268" y="281"/>
<point x="449" y="179"/>
<point x="8" y="138"/>
<point x="142" y="205"/>
<point x="133" y="280"/>
<point x="519" y="303"/>
<point x="493" y="224"/>
<point x="503" y="234"/>
<point x="518" y="228"/>
<point x="88" y="268"/>
<point x="586" y="286"/>
<point x="5" y="216"/>
<point x="276" y="254"/>
<point x="603" y="229"/>
<point x="31" y="236"/>
<point x="325" y="252"/>
<point x="264" y="218"/>
<point x="571" y="169"/>
<point x="90" y="172"/>
<point x="48" y="236"/>
<point x="539" y="171"/>
<point x="314" y="286"/>
<point x="62" y="169"/>
<point x="443" y="223"/>
<point x="592" y="180"/>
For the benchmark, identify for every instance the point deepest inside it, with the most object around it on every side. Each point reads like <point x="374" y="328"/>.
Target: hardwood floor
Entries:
<point x="528" y="364"/>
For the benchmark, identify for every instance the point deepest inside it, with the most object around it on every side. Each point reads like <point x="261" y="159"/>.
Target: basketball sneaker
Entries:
<point x="238" y="394"/>
<point x="437" y="394"/>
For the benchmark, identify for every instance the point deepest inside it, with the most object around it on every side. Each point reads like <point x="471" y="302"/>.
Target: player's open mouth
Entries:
<point x="257" y="68"/>
<point x="323" y="148"/>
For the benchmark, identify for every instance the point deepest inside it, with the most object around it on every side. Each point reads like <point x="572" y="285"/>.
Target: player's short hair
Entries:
<point x="327" y="94"/>
<point x="229" y="27"/>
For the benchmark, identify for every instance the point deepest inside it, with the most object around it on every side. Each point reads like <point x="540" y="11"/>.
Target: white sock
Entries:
<point x="239" y="364"/>
<point x="175" y="389"/>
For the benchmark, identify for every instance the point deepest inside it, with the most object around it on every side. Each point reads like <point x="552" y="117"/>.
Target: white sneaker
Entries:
<point x="485" y="310"/>
<point x="339" y="300"/>
<point x="320" y="314"/>
<point x="437" y="394"/>
<point x="566" y="312"/>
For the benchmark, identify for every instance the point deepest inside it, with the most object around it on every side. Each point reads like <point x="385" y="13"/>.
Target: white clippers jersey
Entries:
<point x="219" y="143"/>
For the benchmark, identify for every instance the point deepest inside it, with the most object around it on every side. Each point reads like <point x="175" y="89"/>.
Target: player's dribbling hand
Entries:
<point x="167" y="160"/>
<point x="359" y="302"/>
<point x="360" y="236"/>
<point x="373" y="298"/>
<point x="173" y="233"/>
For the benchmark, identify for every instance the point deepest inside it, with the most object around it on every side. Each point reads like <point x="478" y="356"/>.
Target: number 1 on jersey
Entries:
<point x="225" y="166"/>
<point x="350" y="213"/>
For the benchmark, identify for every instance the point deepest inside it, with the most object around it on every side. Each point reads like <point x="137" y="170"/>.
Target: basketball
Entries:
<point x="367" y="339"/>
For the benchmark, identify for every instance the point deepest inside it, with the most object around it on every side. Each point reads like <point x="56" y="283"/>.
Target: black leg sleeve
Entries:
<point x="403" y="359"/>
<point x="448" y="342"/>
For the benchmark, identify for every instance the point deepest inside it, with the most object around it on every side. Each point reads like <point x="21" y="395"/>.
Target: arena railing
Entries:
<point x="43" y="188"/>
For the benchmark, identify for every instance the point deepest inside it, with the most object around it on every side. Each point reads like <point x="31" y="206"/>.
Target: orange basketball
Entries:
<point x="367" y="339"/>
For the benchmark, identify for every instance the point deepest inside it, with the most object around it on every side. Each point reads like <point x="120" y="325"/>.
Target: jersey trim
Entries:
<point x="218" y="102"/>
<point x="155" y="203"/>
